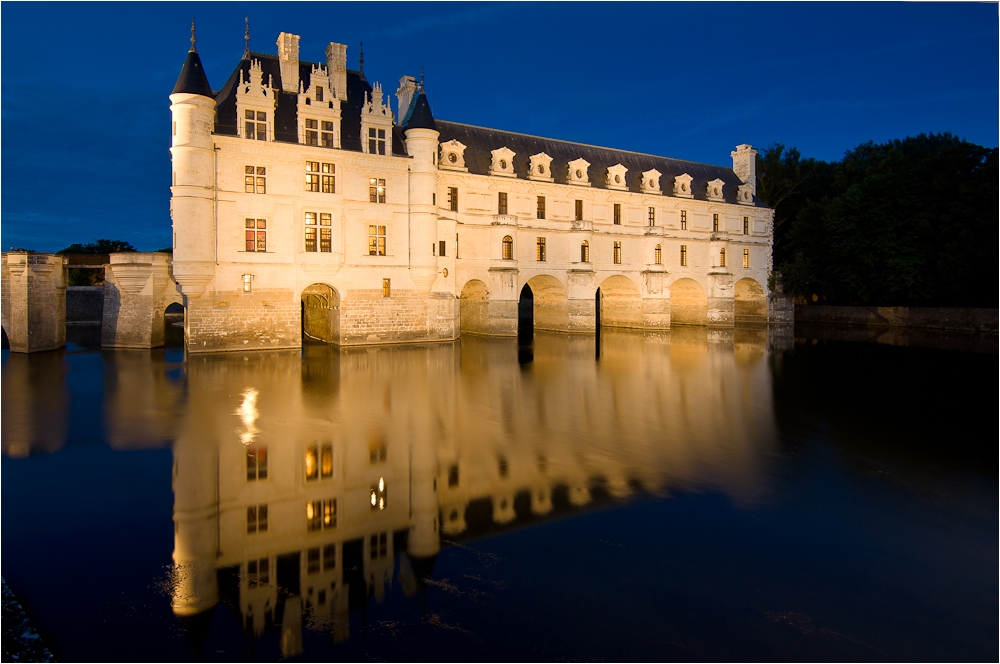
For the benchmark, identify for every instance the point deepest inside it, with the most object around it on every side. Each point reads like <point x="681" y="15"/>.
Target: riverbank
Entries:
<point x="926" y="318"/>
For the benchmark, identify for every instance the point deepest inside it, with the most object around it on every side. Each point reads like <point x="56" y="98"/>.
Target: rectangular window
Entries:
<point x="258" y="572"/>
<point x="321" y="514"/>
<point x="319" y="462"/>
<point x="376" y="190"/>
<point x="618" y="214"/>
<point x="585" y="252"/>
<point x="376" y="240"/>
<point x="257" y="519"/>
<point x="255" y="181"/>
<point x="540" y="249"/>
<point x="325" y="242"/>
<point x="310" y="231"/>
<point x="329" y="557"/>
<point x="746" y="225"/>
<point x="684" y="220"/>
<point x="715" y="223"/>
<point x="442" y="245"/>
<point x="684" y="255"/>
<point x="386" y="288"/>
<point x="319" y="93"/>
<point x="376" y="141"/>
<point x="540" y="210"/>
<point x="256" y="125"/>
<point x="378" y="546"/>
<point x="312" y="176"/>
<point x="312" y="560"/>
<point x="312" y="132"/>
<point x="579" y="210"/>
<point x="746" y="258"/>
<point x="329" y="178"/>
<point x="256" y="463"/>
<point x="502" y="202"/>
<point x="326" y="137"/>
<point x="722" y="258"/>
<point x="658" y="255"/>
<point x="618" y="252"/>
<point x="376" y="450"/>
<point x="256" y="234"/>
<point x="453" y="199"/>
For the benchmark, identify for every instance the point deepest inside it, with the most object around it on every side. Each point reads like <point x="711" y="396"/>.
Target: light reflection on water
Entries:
<point x="312" y="488"/>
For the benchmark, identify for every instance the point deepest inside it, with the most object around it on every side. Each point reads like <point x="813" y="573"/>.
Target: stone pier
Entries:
<point x="34" y="301"/>
<point x="138" y="287"/>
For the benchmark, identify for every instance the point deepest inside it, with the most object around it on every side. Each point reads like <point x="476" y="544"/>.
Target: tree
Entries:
<point x="101" y="246"/>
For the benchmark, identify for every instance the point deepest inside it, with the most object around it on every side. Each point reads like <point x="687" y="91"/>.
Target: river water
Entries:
<point x="691" y="495"/>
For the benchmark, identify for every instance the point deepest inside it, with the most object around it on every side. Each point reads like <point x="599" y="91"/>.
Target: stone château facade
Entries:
<point x="303" y="203"/>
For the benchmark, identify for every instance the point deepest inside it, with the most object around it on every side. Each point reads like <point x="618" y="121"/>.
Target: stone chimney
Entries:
<point x="745" y="165"/>
<point x="407" y="90"/>
<point x="336" y="65"/>
<point x="288" y="59"/>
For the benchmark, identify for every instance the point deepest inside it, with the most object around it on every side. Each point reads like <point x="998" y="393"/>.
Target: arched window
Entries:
<point x="722" y="258"/>
<point x="658" y="255"/>
<point x="585" y="252"/>
<point x="508" y="248"/>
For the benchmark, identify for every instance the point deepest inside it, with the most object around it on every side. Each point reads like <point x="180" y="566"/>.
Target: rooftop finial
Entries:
<point x="192" y="35"/>
<point x="246" y="37"/>
<point x="361" y="58"/>
<point x="421" y="78"/>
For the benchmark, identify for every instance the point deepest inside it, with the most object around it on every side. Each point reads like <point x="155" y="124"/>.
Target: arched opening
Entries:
<point x="688" y="304"/>
<point x="621" y="303"/>
<point x="750" y="305"/>
<point x="6" y="341"/>
<point x="526" y="315"/>
<point x="551" y="303"/>
<point x="474" y="306"/>
<point x="320" y="314"/>
<point x="507" y="248"/>
<point x="173" y="325"/>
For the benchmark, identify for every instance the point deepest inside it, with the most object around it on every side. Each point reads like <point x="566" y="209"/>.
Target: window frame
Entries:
<point x="651" y="216"/>
<point x="684" y="255"/>
<point x="585" y="251"/>
<point x="501" y="202"/>
<point x="578" y="209"/>
<point x="746" y="258"/>
<point x="255" y="232"/>
<point x="684" y="220"/>
<point x="540" y="207"/>
<point x="507" y="248"/>
<point x="540" y="250"/>
<point x="618" y="252"/>
<point x="379" y="234"/>
<point x="453" y="199"/>
<point x="376" y="190"/>
<point x="617" y="218"/>
<point x="658" y="255"/>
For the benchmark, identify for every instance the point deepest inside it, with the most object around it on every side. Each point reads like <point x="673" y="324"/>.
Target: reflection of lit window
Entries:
<point x="258" y="572"/>
<point x="377" y="497"/>
<point x="379" y="546"/>
<point x="257" y="519"/>
<point x="502" y="466"/>
<point x="329" y="557"/>
<point x="256" y="463"/>
<point x="319" y="461"/>
<point x="453" y="476"/>
<point x="376" y="450"/>
<point x="312" y="561"/>
<point x="321" y="514"/>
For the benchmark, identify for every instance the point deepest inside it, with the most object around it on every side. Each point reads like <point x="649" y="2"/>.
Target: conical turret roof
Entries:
<point x="419" y="115"/>
<point x="192" y="79"/>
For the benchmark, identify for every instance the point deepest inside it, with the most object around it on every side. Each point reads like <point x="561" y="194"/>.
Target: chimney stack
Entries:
<point x="288" y="59"/>
<point x="336" y="66"/>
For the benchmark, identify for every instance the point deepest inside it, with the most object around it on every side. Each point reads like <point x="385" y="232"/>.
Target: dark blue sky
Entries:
<point x="86" y="122"/>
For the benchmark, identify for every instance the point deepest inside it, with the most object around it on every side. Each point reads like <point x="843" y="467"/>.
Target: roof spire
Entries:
<point x="361" y="58"/>
<point x="246" y="37"/>
<point x="192" y="36"/>
<point x="421" y="78"/>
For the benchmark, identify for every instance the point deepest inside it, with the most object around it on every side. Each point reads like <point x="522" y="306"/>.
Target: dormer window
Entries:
<point x="745" y="194"/>
<point x="319" y="93"/>
<point x="453" y="156"/>
<point x="539" y="167"/>
<point x="682" y="186"/>
<point x="616" y="177"/>
<point x="256" y="125"/>
<point x="576" y="172"/>
<point x="312" y="132"/>
<point x="714" y="190"/>
<point x="503" y="162"/>
<point x="650" y="182"/>
<point x="376" y="141"/>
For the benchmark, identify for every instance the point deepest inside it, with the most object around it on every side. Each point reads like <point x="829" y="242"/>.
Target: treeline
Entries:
<point x="911" y="222"/>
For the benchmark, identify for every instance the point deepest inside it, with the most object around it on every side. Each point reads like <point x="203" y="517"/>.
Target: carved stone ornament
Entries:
<point x="714" y="190"/>
<point x="540" y="167"/>
<point x="576" y="172"/>
<point x="745" y="194"/>
<point x="453" y="156"/>
<point x="650" y="183"/>
<point x="503" y="162"/>
<point x="616" y="177"/>
<point x="682" y="186"/>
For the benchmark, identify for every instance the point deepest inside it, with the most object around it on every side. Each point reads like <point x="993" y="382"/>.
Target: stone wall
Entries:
<point x="138" y="287"/>
<point x="84" y="304"/>
<point x="34" y="301"/>
<point x="368" y="317"/>
<point x="978" y="320"/>
<point x="265" y="319"/>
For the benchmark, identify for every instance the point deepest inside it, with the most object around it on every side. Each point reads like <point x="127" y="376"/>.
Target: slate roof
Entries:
<point x="192" y="79"/>
<point x="418" y="115"/>
<point x="480" y="142"/>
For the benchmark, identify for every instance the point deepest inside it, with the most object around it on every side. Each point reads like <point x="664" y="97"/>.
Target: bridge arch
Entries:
<point x="474" y="307"/>
<point x="750" y="302"/>
<point x="688" y="303"/>
<point x="621" y="302"/>
<point x="550" y="303"/>
<point x="321" y="313"/>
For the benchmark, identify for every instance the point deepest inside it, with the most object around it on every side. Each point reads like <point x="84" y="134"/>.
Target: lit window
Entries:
<point x="329" y="178"/>
<point x="325" y="241"/>
<point x="618" y="252"/>
<point x="257" y="519"/>
<point x="746" y="258"/>
<point x="540" y="210"/>
<point x="652" y="216"/>
<point x="319" y="462"/>
<point x="321" y="514"/>
<point x="540" y="249"/>
<point x="376" y="190"/>
<point x="386" y="287"/>
<point x="256" y="463"/>
<point x="658" y="255"/>
<point x="255" y="125"/>
<point x="508" y="248"/>
<point x="453" y="199"/>
<point x="376" y="141"/>
<point x="376" y="240"/>
<point x="255" y="181"/>
<point x="312" y="176"/>
<point x="684" y="220"/>
<point x="684" y="255"/>
<point x="258" y="572"/>
<point x="379" y="546"/>
<point x="312" y="132"/>
<point x="715" y="223"/>
<point x="256" y="234"/>
<point x="377" y="496"/>
<point x="585" y="252"/>
<point x="502" y="202"/>
<point x="376" y="450"/>
<point x="579" y="210"/>
<point x="310" y="231"/>
<point x="319" y="93"/>
<point x="722" y="258"/>
<point x="326" y="136"/>
<point x="618" y="214"/>
<point x="746" y="225"/>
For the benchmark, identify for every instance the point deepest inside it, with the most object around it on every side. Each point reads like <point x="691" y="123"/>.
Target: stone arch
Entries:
<point x="321" y="314"/>
<point x="474" y="305"/>
<point x="173" y="325"/>
<point x="550" y="310"/>
<point x="688" y="303"/>
<point x="621" y="302"/>
<point x="750" y="302"/>
<point x="5" y="343"/>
